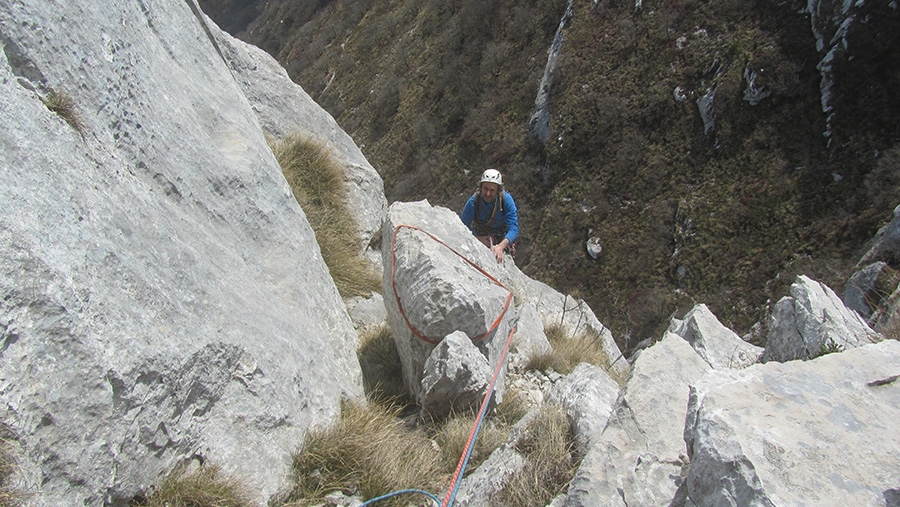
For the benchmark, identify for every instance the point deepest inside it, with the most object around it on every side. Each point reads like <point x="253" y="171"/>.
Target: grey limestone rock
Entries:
<point x="440" y="279"/>
<point x="283" y="108"/>
<point x="455" y="377"/>
<point x="489" y="478"/>
<point x="820" y="432"/>
<point x="886" y="245"/>
<point x="812" y="319"/>
<point x="587" y="395"/>
<point x="859" y="292"/>
<point x="715" y="343"/>
<point x="639" y="457"/>
<point x="163" y="296"/>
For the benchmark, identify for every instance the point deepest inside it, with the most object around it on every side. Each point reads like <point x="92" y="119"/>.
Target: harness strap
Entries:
<point x="498" y="205"/>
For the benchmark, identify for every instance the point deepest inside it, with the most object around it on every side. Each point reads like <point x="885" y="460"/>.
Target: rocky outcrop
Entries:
<point x="455" y="377"/>
<point x="819" y="432"/>
<point x="540" y="118"/>
<point x="587" y="395"/>
<point x="719" y="346"/>
<point x="432" y="290"/>
<point x="638" y="459"/>
<point x="163" y="296"/>
<point x="811" y="321"/>
<point x="439" y="279"/>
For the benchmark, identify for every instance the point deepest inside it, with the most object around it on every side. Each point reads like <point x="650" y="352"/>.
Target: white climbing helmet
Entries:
<point x="492" y="176"/>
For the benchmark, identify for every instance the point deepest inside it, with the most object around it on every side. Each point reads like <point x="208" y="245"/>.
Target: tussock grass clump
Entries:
<point x="550" y="461"/>
<point x="63" y="105"/>
<point x="368" y="450"/>
<point x="317" y="182"/>
<point x="207" y="486"/>
<point x="568" y="351"/>
<point x="380" y="365"/>
<point x="10" y="494"/>
<point x="514" y="407"/>
<point x="454" y="434"/>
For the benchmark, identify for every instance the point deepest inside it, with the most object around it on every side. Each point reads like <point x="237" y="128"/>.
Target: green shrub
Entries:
<point x="317" y="182"/>
<point x="370" y="451"/>
<point x="63" y="105"/>
<point x="207" y="486"/>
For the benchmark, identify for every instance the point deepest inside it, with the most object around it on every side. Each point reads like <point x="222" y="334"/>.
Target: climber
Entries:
<point x="497" y="226"/>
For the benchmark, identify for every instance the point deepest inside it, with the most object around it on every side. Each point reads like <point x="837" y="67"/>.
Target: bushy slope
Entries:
<point x="434" y="92"/>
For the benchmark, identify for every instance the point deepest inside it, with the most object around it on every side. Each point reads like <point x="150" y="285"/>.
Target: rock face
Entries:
<point x="820" y="432"/>
<point x="163" y="296"/>
<point x="716" y="344"/>
<point x="638" y="458"/>
<point x="284" y="108"/>
<point x="810" y="321"/>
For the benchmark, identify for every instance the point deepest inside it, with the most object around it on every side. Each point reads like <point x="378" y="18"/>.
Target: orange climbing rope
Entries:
<point x="416" y="332"/>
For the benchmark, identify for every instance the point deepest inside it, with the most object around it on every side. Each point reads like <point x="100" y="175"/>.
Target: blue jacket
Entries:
<point x="506" y="222"/>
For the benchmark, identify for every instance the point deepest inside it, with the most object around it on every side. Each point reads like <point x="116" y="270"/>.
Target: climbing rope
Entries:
<point x="416" y="332"/>
<point x="485" y="402"/>
<point x="464" y="459"/>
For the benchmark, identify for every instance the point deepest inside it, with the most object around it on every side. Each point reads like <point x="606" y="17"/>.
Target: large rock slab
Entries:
<point x="162" y="296"/>
<point x="639" y="457"/>
<point x="716" y="344"/>
<point x="440" y="279"/>
<point x="820" y="432"/>
<point x="812" y="320"/>
<point x="283" y="108"/>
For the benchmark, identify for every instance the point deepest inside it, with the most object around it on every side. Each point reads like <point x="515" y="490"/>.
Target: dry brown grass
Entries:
<point x="317" y="182"/>
<point x="454" y="434"/>
<point x="206" y="486"/>
<point x="11" y="495"/>
<point x="63" y="105"/>
<point x="568" y="351"/>
<point x="369" y="451"/>
<point x="550" y="461"/>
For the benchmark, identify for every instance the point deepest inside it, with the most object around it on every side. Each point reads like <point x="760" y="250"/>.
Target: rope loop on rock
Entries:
<point x="416" y="332"/>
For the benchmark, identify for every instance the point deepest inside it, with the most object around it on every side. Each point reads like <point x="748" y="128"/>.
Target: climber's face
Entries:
<point x="489" y="191"/>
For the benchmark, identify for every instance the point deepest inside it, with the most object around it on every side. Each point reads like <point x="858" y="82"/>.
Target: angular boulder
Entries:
<point x="439" y="279"/>
<point x="886" y="244"/>
<point x="639" y="457"/>
<point x="820" y="432"/>
<point x="587" y="395"/>
<point x="860" y="292"/>
<point x="812" y="320"/>
<point x="456" y="377"/>
<point x="715" y="343"/>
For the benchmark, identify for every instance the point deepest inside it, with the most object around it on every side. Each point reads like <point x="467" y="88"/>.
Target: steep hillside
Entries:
<point x="722" y="207"/>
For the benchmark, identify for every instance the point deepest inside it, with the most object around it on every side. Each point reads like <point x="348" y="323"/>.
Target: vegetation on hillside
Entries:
<point x="434" y="92"/>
